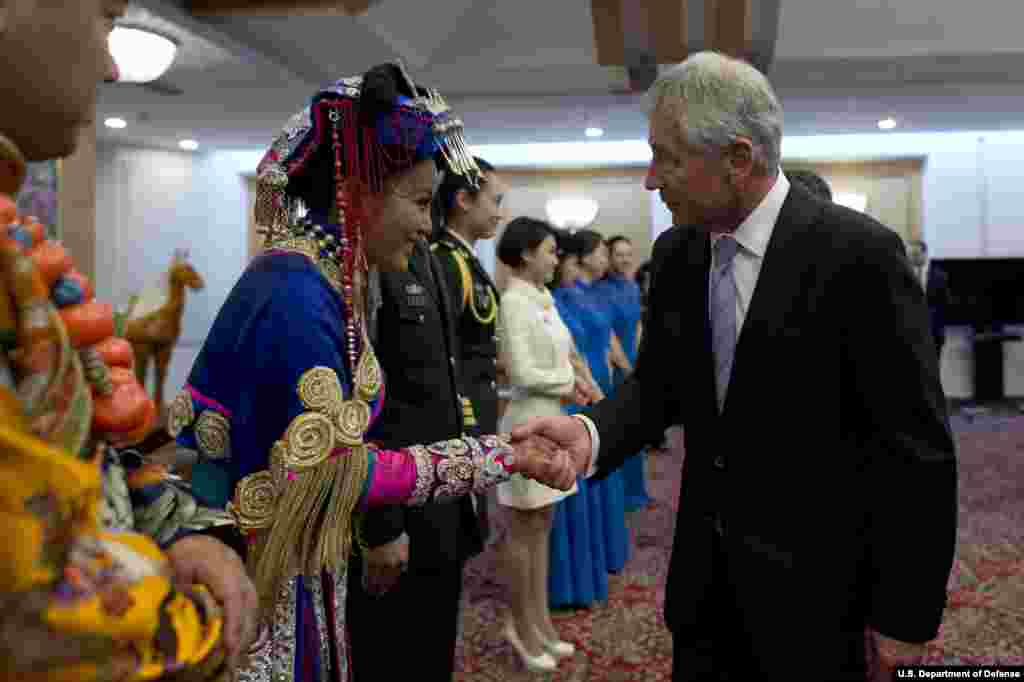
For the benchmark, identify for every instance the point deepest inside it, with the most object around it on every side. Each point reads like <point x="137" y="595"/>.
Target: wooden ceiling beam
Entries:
<point x="658" y="31"/>
<point x="265" y="8"/>
<point x="728" y="26"/>
<point x="609" y="44"/>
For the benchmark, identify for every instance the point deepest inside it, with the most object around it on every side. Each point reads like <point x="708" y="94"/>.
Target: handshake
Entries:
<point x="551" y="450"/>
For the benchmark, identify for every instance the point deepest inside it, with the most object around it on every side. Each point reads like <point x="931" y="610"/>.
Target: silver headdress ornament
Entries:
<point x="447" y="129"/>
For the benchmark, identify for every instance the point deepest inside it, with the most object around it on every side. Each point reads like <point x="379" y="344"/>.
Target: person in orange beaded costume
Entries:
<point x="82" y="597"/>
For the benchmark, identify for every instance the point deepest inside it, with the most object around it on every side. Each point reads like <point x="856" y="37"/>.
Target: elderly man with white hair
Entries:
<point x="789" y="337"/>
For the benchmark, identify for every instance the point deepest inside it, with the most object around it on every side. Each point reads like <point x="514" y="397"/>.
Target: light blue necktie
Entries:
<point x="722" y="302"/>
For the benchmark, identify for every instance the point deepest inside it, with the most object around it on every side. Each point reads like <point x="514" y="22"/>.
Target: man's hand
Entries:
<point x="204" y="560"/>
<point x="384" y="565"/>
<point x="540" y="459"/>
<point x="568" y="433"/>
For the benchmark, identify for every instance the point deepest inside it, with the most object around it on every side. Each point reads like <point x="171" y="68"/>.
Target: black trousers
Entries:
<point x="727" y="649"/>
<point x="412" y="627"/>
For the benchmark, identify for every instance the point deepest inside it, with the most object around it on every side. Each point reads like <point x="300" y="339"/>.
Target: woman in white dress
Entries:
<point x="535" y="349"/>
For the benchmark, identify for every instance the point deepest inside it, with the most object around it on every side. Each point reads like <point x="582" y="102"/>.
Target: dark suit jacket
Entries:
<point x="938" y="295"/>
<point x="833" y="466"/>
<point x="416" y="346"/>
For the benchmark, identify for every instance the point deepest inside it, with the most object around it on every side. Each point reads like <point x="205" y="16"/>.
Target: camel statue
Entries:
<point x="153" y="323"/>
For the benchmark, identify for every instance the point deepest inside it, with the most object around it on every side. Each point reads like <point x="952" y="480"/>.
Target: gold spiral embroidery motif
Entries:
<point x="213" y="433"/>
<point x="255" y="501"/>
<point x="309" y="440"/>
<point x="353" y="419"/>
<point x="368" y="374"/>
<point x="278" y="468"/>
<point x="180" y="414"/>
<point x="320" y="390"/>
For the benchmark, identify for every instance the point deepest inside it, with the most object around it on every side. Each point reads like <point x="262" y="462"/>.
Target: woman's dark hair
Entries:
<point x="568" y="246"/>
<point x="612" y="241"/>
<point x="381" y="85"/>
<point x="520" y="235"/>
<point x="589" y="242"/>
<point x="444" y="198"/>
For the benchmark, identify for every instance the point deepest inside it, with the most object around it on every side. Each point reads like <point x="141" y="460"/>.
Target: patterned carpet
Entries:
<point x="625" y="639"/>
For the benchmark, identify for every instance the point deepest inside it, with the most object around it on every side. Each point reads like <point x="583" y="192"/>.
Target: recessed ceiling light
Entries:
<point x="594" y="132"/>
<point x="115" y="123"/>
<point x="189" y="145"/>
<point x="887" y="123"/>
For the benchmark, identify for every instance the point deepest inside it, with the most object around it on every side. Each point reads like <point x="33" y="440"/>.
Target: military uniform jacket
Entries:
<point x="417" y="351"/>
<point x="475" y="300"/>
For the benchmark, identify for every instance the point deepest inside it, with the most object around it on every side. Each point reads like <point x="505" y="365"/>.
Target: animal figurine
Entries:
<point x="153" y="323"/>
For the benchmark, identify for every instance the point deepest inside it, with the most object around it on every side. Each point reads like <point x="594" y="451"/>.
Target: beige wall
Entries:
<point x="892" y="188"/>
<point x="624" y="204"/>
<point x="77" y="202"/>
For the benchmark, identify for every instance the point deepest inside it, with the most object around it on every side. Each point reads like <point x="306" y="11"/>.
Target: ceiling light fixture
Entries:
<point x="594" y="132"/>
<point x="887" y="123"/>
<point x="141" y="55"/>
<point x="572" y="213"/>
<point x="189" y="145"/>
<point x="116" y="123"/>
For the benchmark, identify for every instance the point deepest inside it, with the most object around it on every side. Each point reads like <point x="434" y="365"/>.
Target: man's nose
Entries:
<point x="651" y="182"/>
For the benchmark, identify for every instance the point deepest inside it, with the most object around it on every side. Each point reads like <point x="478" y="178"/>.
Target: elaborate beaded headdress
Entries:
<point x="414" y="129"/>
<point x="369" y="140"/>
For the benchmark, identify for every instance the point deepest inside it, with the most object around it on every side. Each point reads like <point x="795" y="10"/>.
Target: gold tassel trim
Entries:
<point x="313" y="527"/>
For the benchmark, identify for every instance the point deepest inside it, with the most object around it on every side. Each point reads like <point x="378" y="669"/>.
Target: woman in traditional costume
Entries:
<point x="81" y="598"/>
<point x="287" y="383"/>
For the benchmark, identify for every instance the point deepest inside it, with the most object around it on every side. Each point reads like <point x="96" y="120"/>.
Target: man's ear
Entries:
<point x="740" y="154"/>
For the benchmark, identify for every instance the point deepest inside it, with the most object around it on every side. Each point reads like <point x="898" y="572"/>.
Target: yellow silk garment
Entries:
<point x="77" y="601"/>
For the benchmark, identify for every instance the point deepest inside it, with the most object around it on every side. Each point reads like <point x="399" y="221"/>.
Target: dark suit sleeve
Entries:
<point x="642" y="406"/>
<point x="912" y="509"/>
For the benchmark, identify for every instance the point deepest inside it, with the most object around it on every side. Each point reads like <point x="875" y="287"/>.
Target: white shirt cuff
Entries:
<point x="595" y="443"/>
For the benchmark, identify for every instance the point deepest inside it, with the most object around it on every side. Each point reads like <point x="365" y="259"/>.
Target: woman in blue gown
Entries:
<point x="578" y="567"/>
<point x="596" y="347"/>
<point x="623" y="296"/>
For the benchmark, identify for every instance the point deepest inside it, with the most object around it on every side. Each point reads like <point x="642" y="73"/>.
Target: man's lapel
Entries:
<point x="778" y="287"/>
<point x="697" y="265"/>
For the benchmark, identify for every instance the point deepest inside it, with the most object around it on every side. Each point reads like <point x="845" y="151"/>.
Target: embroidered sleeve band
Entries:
<point x="447" y="470"/>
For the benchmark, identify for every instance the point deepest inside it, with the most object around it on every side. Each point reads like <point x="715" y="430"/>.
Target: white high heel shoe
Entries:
<point x="544" y="663"/>
<point x="557" y="648"/>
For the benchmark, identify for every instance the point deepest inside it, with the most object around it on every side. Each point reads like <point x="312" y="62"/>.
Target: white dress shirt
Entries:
<point x="753" y="236"/>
